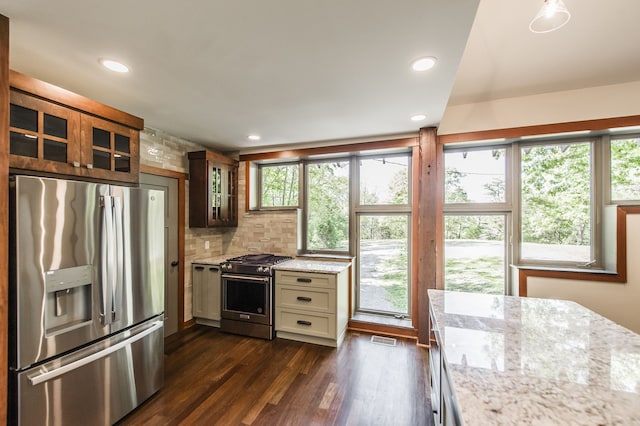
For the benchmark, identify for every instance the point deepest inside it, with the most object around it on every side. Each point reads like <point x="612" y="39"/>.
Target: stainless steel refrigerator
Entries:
<point x="86" y="300"/>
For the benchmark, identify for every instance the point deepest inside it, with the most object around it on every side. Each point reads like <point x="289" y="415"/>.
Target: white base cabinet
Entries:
<point x="312" y="307"/>
<point x="443" y="404"/>
<point x="206" y="279"/>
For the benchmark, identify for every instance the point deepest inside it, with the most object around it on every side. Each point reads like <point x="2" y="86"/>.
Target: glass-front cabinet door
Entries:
<point x="48" y="137"/>
<point x="43" y="135"/>
<point x="222" y="195"/>
<point x="213" y="190"/>
<point x="110" y="150"/>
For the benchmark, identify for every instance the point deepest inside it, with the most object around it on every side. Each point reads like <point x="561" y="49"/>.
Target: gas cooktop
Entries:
<point x="253" y="264"/>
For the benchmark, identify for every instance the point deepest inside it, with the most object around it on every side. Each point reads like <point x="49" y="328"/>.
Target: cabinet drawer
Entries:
<point x="308" y="299"/>
<point x="306" y="279"/>
<point x="311" y="324"/>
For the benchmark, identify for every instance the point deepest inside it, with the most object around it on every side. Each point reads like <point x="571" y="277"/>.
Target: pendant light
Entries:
<point x="552" y="15"/>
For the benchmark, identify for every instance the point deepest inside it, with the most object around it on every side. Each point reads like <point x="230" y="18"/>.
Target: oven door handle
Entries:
<point x="245" y="278"/>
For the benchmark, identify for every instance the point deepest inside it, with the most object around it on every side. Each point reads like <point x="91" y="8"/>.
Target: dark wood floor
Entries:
<point x="217" y="378"/>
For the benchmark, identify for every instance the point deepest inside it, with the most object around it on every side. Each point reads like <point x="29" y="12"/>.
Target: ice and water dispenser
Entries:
<point x="68" y="304"/>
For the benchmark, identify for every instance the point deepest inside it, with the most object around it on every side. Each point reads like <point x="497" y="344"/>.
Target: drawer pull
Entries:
<point x="304" y="299"/>
<point x="199" y="268"/>
<point x="302" y="322"/>
<point x="214" y="269"/>
<point x="304" y="280"/>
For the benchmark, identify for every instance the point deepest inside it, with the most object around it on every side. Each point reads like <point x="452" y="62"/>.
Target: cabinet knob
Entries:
<point x="175" y="263"/>
<point x="89" y="166"/>
<point x="76" y="164"/>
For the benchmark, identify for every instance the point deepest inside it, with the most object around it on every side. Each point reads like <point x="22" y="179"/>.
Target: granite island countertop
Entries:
<point x="520" y="361"/>
<point x="324" y="267"/>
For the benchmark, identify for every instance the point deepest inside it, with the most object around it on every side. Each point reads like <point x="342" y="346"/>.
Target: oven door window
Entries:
<point x="245" y="296"/>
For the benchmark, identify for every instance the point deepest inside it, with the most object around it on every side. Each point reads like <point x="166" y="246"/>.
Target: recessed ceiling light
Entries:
<point x="114" y="65"/>
<point x="423" y="64"/>
<point x="418" y="117"/>
<point x="253" y="137"/>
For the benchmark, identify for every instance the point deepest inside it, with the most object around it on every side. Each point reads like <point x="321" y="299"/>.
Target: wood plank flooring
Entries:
<point x="213" y="378"/>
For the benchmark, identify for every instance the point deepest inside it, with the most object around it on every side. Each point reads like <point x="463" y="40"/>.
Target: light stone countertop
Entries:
<point x="215" y="260"/>
<point x="323" y="267"/>
<point x="521" y="361"/>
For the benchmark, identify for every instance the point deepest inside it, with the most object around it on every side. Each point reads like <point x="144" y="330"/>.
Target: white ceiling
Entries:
<point x="297" y="71"/>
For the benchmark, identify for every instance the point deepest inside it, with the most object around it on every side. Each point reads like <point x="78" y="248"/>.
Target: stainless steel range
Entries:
<point x="247" y="295"/>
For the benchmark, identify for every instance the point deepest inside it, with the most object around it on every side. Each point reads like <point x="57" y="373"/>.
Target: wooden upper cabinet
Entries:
<point x="213" y="190"/>
<point x="42" y="135"/>
<point x="109" y="150"/>
<point x="56" y="131"/>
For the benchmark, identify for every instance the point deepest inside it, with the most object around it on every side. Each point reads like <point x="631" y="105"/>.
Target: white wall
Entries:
<point x="618" y="302"/>
<point x="559" y="107"/>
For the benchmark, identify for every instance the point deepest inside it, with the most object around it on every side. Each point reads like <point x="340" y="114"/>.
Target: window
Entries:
<point x="384" y="180"/>
<point x="537" y="198"/>
<point x="625" y="168"/>
<point x="327" y="208"/>
<point x="279" y="185"/>
<point x="556" y="209"/>
<point x="476" y="176"/>
<point x="477" y="209"/>
<point x="383" y="259"/>
<point x="475" y="253"/>
<point x="383" y="235"/>
<point x="352" y="205"/>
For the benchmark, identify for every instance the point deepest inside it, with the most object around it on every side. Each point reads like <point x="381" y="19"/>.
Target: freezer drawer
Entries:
<point x="97" y="385"/>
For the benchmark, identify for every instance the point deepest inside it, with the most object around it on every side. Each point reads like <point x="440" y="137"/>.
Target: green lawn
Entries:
<point x="396" y="276"/>
<point x="475" y="275"/>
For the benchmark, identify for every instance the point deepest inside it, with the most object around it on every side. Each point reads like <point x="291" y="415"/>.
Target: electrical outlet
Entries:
<point x="206" y="245"/>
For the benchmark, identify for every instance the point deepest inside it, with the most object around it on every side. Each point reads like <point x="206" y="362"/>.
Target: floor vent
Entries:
<point x="379" y="340"/>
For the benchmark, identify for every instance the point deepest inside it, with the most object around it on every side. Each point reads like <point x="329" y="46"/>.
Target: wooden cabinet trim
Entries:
<point x="212" y="156"/>
<point x="67" y="98"/>
<point x="4" y="212"/>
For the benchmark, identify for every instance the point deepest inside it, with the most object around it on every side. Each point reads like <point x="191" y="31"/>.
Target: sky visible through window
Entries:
<point x="475" y="176"/>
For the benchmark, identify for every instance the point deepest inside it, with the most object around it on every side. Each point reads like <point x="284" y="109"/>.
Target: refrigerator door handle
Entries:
<point x="117" y="282"/>
<point x="106" y="269"/>
<point x="52" y="374"/>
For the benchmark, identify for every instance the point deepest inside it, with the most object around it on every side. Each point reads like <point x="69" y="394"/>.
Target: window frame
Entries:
<point x="595" y="196"/>
<point x="505" y="208"/>
<point x="259" y="181"/>
<point x="358" y="308"/>
<point x="606" y="161"/>
<point x="358" y="209"/>
<point x="304" y="217"/>
<point x="476" y="206"/>
<point x="599" y="195"/>
<point x="382" y="207"/>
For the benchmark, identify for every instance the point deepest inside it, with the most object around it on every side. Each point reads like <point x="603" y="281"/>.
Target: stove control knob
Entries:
<point x="263" y="269"/>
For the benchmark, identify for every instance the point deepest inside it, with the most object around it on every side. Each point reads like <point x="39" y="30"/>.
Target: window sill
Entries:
<point x="317" y="256"/>
<point x="564" y="269"/>
<point x="274" y="210"/>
